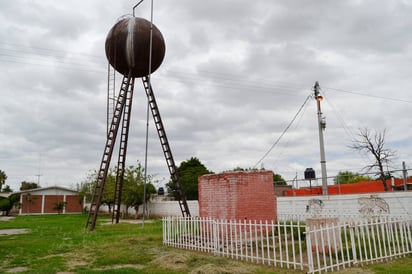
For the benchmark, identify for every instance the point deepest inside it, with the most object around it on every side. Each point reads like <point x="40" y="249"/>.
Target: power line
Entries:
<point x="296" y="125"/>
<point x="284" y="132"/>
<point x="43" y="51"/>
<point x="369" y="95"/>
<point x="15" y="53"/>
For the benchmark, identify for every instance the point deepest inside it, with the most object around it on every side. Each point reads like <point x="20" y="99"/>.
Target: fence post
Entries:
<point x="215" y="239"/>
<point x="309" y="250"/>
<point x="352" y="240"/>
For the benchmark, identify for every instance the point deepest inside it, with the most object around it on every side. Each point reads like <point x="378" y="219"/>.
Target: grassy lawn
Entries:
<point x="58" y="244"/>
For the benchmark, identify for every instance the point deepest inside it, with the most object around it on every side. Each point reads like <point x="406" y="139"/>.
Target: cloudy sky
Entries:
<point x="234" y="76"/>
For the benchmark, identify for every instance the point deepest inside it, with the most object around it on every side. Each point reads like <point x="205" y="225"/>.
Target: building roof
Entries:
<point x="44" y="189"/>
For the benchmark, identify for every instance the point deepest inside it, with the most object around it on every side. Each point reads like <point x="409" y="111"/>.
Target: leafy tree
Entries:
<point x="86" y="188"/>
<point x="188" y="172"/>
<point x="133" y="188"/>
<point x="6" y="189"/>
<point x="278" y="179"/>
<point x="3" y="178"/>
<point x="108" y="193"/>
<point x="5" y="205"/>
<point x="28" y="185"/>
<point x="14" y="199"/>
<point x="374" y="143"/>
<point x="349" y="177"/>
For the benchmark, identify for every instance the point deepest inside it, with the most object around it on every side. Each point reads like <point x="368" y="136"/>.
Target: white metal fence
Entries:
<point x="317" y="245"/>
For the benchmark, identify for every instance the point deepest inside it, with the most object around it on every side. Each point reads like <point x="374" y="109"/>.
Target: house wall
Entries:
<point x="237" y="196"/>
<point x="50" y="201"/>
<point x="31" y="203"/>
<point x="73" y="205"/>
<point x="44" y="202"/>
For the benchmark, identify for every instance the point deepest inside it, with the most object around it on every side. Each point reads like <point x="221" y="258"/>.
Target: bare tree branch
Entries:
<point x="374" y="143"/>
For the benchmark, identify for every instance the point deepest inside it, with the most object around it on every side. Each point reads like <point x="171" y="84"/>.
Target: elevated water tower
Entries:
<point x="135" y="48"/>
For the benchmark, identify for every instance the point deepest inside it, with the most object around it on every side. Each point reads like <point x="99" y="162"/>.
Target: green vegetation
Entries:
<point x="3" y="178"/>
<point x="188" y="172"/>
<point x="278" y="179"/>
<point x="58" y="243"/>
<point x="7" y="203"/>
<point x="132" y="192"/>
<point x="349" y="177"/>
<point x="29" y="185"/>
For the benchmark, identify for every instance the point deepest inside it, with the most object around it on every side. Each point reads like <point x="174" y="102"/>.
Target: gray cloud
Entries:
<point x="234" y="76"/>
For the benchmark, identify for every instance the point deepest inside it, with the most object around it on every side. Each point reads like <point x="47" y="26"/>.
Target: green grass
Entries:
<point x="58" y="243"/>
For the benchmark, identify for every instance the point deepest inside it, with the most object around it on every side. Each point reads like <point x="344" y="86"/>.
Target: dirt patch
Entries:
<point x="17" y="269"/>
<point x="5" y="218"/>
<point x="14" y="231"/>
<point x="74" y="263"/>
<point x="120" y="266"/>
<point x="130" y="221"/>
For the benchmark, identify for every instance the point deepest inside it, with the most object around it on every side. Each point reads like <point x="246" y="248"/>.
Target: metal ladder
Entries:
<point x="111" y="95"/>
<point x="165" y="146"/>
<point x="107" y="154"/>
<point x="121" y="161"/>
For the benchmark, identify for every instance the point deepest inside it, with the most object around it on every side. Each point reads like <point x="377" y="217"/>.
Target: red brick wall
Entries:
<point x="50" y="201"/>
<point x="238" y="196"/>
<point x="73" y="205"/>
<point x="33" y="206"/>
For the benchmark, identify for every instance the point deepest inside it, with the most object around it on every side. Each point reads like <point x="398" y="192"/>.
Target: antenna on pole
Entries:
<point x="148" y="106"/>
<point x="39" y="174"/>
<point x="38" y="179"/>
<point x="147" y="114"/>
<point x="135" y="6"/>
<point x="321" y="127"/>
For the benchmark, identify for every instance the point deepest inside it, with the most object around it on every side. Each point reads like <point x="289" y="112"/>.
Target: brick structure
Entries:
<point x="243" y="195"/>
<point x="43" y="200"/>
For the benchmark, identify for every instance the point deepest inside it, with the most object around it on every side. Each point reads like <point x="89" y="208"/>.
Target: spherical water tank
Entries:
<point x="128" y="47"/>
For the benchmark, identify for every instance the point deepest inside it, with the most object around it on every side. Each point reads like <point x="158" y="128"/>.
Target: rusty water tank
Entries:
<point x="128" y="47"/>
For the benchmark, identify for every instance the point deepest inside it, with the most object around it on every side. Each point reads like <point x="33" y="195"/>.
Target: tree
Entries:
<point x="3" y="178"/>
<point x="28" y="185"/>
<point x="108" y="193"/>
<point x="6" y="189"/>
<point x="278" y="179"/>
<point x="86" y="188"/>
<point x="349" y="177"/>
<point x="133" y="189"/>
<point x="374" y="143"/>
<point x="188" y="172"/>
<point x="7" y="203"/>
